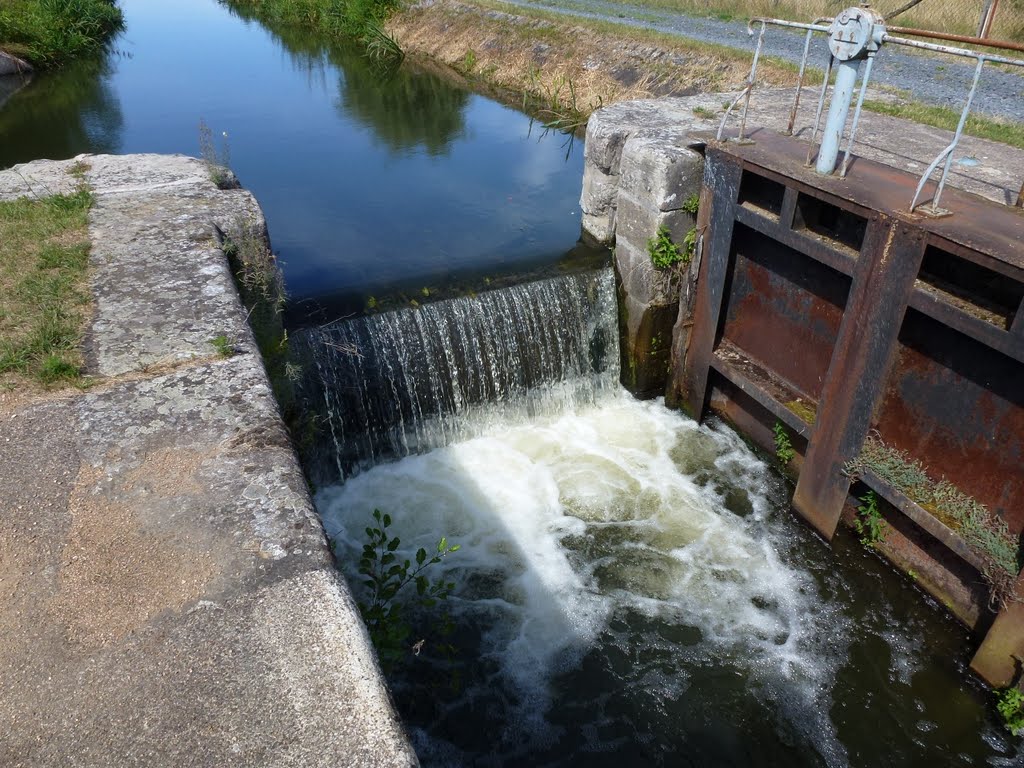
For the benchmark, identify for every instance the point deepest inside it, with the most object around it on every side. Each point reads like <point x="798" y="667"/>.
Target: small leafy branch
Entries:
<point x="385" y="577"/>
<point x="783" y="447"/>
<point x="869" y="523"/>
<point x="1010" y="703"/>
<point x="665" y="253"/>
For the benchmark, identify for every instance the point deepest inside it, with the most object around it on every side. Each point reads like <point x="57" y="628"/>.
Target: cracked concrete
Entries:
<point x="167" y="595"/>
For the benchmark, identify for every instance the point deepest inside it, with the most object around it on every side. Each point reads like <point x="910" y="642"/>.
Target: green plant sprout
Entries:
<point x="783" y="447"/>
<point x="223" y="346"/>
<point x="869" y="523"/>
<point x="217" y="161"/>
<point x="1010" y="703"/>
<point x="664" y="253"/>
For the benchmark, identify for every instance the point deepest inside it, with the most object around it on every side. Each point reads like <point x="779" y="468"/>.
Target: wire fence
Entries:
<point x="1005" y="18"/>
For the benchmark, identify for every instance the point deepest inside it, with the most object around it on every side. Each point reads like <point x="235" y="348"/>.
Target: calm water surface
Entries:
<point x="369" y="183"/>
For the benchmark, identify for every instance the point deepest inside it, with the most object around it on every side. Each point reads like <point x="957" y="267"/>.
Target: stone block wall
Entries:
<point x="641" y="166"/>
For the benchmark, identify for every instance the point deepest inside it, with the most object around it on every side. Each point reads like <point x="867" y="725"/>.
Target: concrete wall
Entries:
<point x="167" y="593"/>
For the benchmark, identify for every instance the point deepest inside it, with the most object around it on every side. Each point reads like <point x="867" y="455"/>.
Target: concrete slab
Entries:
<point x="167" y="595"/>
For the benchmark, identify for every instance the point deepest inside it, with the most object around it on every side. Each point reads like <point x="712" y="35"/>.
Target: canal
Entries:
<point x="632" y="588"/>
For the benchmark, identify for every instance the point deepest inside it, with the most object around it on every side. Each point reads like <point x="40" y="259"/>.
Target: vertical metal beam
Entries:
<point x="883" y="279"/>
<point x="1001" y="652"/>
<point x="1017" y="326"/>
<point x="722" y="174"/>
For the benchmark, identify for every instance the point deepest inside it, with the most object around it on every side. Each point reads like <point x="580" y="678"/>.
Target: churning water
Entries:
<point x="630" y="589"/>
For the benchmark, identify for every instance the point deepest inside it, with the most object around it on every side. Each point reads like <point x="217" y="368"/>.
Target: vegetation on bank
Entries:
<point x="948" y="119"/>
<point x="47" y="33"/>
<point x="44" y="256"/>
<point x="360" y="19"/>
<point x="563" y="68"/>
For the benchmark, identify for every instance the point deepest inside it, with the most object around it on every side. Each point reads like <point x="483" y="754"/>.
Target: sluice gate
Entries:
<point x="878" y="334"/>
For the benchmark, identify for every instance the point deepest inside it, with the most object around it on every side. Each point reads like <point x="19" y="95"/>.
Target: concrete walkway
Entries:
<point x="167" y="596"/>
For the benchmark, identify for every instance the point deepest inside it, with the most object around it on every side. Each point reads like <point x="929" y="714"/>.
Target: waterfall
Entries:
<point x="404" y="382"/>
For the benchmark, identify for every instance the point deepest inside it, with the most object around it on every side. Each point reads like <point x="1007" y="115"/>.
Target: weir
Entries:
<point x="404" y="382"/>
<point x="866" y="315"/>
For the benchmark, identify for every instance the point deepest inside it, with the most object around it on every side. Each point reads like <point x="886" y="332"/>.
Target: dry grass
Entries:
<point x="44" y="253"/>
<point x="571" y="65"/>
<point x="957" y="16"/>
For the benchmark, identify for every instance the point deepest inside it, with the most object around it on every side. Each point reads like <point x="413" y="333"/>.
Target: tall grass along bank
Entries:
<point x="48" y="33"/>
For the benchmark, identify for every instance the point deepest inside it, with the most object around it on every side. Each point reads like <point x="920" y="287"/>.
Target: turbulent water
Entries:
<point x="631" y="589"/>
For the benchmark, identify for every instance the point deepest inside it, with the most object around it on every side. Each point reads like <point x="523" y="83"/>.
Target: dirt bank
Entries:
<point x="566" y="70"/>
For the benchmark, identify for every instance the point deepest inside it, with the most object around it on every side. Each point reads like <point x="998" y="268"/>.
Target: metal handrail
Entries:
<point x="947" y="154"/>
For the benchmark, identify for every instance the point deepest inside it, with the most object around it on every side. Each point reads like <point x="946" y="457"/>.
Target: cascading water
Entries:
<point x="404" y="382"/>
<point x="629" y="591"/>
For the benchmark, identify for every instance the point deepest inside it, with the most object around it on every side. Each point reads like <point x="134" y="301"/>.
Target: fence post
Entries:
<point x="988" y="15"/>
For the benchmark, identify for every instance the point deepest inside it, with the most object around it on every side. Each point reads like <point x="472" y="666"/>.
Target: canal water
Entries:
<point x="371" y="184"/>
<point x="632" y="588"/>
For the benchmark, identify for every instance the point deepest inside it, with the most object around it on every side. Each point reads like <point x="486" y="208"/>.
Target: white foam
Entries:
<point x="605" y="511"/>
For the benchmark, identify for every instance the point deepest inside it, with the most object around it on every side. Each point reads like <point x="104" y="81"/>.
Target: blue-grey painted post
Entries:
<point x="854" y="35"/>
<point x="846" y="81"/>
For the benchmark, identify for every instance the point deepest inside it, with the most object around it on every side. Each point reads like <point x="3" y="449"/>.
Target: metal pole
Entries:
<point x="842" y="94"/>
<point x="988" y="18"/>
<point x="821" y="105"/>
<point x="799" y="83"/>
<point x="753" y="79"/>
<point x="959" y="131"/>
<point x="856" y="114"/>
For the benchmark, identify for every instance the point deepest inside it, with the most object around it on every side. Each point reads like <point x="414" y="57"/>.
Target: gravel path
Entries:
<point x="940" y="80"/>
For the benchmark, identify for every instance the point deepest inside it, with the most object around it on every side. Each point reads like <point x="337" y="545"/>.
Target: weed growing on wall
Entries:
<point x="979" y="527"/>
<point x="1010" y="703"/>
<point x="692" y="203"/>
<point x="217" y="159"/>
<point x="222" y="346"/>
<point x="386" y="577"/>
<point x="869" y="523"/>
<point x="665" y="253"/>
<point x="783" y="446"/>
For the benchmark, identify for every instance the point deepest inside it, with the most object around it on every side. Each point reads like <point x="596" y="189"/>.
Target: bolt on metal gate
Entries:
<point x="854" y="38"/>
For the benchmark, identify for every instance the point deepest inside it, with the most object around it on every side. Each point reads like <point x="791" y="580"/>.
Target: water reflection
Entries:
<point x="369" y="183"/>
<point x="80" y="112"/>
<point x="405" y="107"/>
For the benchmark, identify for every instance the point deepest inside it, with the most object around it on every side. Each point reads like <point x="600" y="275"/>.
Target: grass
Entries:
<point x="48" y="33"/>
<point x="771" y="71"/>
<point x="44" y="256"/>
<point x="222" y="346"/>
<point x="944" y="117"/>
<point x="975" y="523"/>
